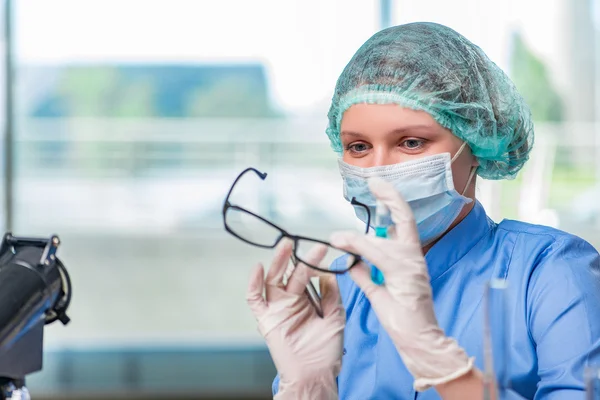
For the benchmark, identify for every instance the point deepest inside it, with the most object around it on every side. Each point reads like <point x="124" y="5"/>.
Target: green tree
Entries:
<point x="136" y="99"/>
<point x="531" y="77"/>
<point x="87" y="91"/>
<point x="232" y="97"/>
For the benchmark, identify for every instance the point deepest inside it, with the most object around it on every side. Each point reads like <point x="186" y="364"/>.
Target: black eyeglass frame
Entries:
<point x="283" y="233"/>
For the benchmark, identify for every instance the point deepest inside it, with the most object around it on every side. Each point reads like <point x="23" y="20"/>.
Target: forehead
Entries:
<point x="371" y="117"/>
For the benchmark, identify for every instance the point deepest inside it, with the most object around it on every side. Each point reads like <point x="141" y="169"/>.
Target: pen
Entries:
<point x="311" y="292"/>
<point x="314" y="298"/>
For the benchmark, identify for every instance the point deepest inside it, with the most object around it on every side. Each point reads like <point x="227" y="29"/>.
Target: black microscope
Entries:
<point x="35" y="290"/>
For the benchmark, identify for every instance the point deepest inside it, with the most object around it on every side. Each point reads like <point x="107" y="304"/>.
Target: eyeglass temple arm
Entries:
<point x="358" y="203"/>
<point x="261" y="175"/>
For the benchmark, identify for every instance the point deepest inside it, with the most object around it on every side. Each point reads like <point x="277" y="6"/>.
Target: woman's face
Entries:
<point x="382" y="134"/>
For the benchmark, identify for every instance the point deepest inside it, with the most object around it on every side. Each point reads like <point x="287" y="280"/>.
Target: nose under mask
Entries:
<point x="426" y="184"/>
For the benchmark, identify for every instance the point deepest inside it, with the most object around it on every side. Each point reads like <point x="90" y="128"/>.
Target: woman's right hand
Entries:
<point x="306" y="349"/>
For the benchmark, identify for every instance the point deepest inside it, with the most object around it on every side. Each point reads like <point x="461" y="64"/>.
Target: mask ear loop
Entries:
<point x="471" y="175"/>
<point x="460" y="150"/>
<point x="473" y="169"/>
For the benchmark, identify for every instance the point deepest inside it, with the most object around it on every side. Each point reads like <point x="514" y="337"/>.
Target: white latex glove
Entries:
<point x="404" y="304"/>
<point x="306" y="349"/>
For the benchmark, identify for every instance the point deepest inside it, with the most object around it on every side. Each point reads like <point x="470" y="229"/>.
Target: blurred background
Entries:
<point x="128" y="120"/>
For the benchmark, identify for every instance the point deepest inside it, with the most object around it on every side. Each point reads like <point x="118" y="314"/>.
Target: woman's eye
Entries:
<point x="413" y="144"/>
<point x="357" y="147"/>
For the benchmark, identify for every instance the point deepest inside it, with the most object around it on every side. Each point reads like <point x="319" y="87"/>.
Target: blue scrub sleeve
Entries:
<point x="275" y="386"/>
<point x="563" y="308"/>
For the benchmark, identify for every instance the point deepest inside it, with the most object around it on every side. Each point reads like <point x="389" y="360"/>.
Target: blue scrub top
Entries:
<point x="553" y="308"/>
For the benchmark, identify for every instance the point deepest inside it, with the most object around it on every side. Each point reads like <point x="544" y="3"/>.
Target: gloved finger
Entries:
<point x="289" y="270"/>
<point x="401" y="213"/>
<point x="279" y="263"/>
<point x="254" y="294"/>
<point x="361" y="275"/>
<point x="331" y="301"/>
<point x="300" y="276"/>
<point x="369" y="247"/>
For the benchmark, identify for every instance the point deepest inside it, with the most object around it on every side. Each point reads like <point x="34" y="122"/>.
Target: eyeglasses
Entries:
<point x="260" y="232"/>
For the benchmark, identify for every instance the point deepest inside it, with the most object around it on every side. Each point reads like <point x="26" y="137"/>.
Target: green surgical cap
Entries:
<point x="430" y="67"/>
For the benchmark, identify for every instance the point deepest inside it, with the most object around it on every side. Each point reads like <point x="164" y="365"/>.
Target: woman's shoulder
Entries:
<point x="552" y="258"/>
<point x="520" y="227"/>
<point x="545" y="239"/>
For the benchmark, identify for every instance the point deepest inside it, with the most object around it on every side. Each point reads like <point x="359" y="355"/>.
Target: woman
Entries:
<point x="416" y="113"/>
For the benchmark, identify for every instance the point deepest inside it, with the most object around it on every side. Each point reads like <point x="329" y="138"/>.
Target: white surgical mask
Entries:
<point x="426" y="184"/>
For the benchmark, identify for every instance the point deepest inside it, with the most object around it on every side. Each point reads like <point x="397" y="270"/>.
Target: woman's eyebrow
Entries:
<point x="408" y="128"/>
<point x="352" y="134"/>
<point x="397" y="131"/>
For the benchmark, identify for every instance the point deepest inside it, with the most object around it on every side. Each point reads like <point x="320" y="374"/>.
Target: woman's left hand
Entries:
<point x="404" y="303"/>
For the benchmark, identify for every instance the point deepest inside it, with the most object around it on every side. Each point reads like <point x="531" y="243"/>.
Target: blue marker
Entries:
<point x="382" y="222"/>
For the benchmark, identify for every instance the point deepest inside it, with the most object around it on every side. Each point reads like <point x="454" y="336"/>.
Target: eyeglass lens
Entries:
<point x="258" y="232"/>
